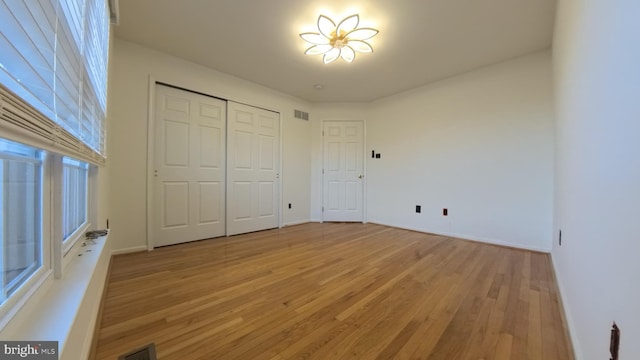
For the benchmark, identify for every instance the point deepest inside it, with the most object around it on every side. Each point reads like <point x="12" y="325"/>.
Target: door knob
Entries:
<point x="360" y="177"/>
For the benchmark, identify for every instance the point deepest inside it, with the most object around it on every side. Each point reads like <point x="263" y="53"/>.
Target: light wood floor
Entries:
<point x="334" y="291"/>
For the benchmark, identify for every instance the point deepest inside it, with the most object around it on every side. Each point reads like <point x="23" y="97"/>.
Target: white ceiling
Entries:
<point x="420" y="41"/>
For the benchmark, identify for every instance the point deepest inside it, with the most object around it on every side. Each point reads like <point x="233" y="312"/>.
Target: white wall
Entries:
<point x="479" y="144"/>
<point x="296" y="181"/>
<point x="127" y="141"/>
<point x="597" y="76"/>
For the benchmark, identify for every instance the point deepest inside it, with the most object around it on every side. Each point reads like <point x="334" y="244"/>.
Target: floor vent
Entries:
<point x="145" y="353"/>
<point x="298" y="114"/>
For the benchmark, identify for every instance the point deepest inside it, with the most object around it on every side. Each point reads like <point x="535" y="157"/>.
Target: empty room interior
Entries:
<point x="321" y="179"/>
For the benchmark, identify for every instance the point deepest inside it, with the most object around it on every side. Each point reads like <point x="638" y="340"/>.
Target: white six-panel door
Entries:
<point x="253" y="155"/>
<point x="343" y="171"/>
<point x="189" y="167"/>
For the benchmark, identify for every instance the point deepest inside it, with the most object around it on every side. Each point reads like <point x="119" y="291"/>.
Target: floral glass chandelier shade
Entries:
<point x="339" y="41"/>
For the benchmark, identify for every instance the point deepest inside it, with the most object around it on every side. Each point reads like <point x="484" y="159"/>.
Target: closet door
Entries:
<point x="253" y="155"/>
<point x="189" y="167"/>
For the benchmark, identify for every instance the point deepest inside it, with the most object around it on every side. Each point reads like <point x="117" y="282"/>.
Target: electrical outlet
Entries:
<point x="445" y="212"/>
<point x="418" y="209"/>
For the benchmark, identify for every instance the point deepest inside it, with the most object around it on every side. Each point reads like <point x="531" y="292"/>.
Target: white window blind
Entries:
<point x="54" y="60"/>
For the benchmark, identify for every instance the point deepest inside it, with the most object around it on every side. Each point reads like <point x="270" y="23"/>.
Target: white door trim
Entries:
<point x="364" y="166"/>
<point x="151" y="115"/>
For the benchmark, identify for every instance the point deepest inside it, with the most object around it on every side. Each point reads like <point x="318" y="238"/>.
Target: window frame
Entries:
<point x="20" y="296"/>
<point x="69" y="242"/>
<point x="56" y="253"/>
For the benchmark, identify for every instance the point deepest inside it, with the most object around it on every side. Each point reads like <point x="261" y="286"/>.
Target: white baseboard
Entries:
<point x="468" y="237"/>
<point x="129" y="250"/>
<point x="567" y="313"/>
<point x="293" y="223"/>
<point x="499" y="242"/>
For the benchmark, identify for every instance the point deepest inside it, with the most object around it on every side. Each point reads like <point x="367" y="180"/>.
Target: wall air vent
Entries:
<point x="299" y="114"/>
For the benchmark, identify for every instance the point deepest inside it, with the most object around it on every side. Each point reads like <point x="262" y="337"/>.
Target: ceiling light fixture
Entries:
<point x="342" y="40"/>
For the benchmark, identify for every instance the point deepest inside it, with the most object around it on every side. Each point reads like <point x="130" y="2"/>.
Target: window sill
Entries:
<point x="65" y="309"/>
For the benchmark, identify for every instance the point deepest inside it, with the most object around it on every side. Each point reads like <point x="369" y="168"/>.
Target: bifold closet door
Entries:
<point x="189" y="167"/>
<point x="253" y="155"/>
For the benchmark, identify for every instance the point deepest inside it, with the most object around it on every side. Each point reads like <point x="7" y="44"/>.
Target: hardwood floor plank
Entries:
<point x="334" y="291"/>
<point x="503" y="349"/>
<point x="534" y="335"/>
<point x="401" y="338"/>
